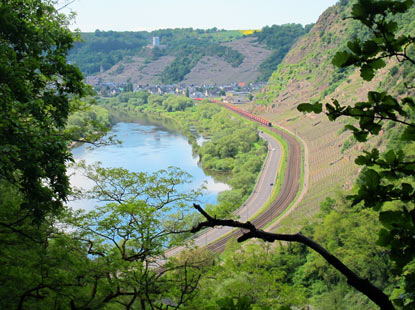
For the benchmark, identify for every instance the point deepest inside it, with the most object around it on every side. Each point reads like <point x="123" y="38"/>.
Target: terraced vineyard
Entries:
<point x="287" y="194"/>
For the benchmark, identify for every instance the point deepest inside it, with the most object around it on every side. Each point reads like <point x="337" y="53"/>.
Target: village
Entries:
<point x="231" y="93"/>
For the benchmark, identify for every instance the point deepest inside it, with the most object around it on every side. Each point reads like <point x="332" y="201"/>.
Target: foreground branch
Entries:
<point x="250" y="231"/>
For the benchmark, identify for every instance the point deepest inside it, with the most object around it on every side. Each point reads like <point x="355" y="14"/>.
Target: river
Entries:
<point x="148" y="148"/>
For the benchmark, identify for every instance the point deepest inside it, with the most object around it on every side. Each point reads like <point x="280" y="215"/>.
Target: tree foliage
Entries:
<point x="279" y="38"/>
<point x="106" y="48"/>
<point x="387" y="181"/>
<point x="108" y="257"/>
<point x="36" y="88"/>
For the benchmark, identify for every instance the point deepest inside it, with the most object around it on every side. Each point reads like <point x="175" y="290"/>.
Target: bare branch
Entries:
<point x="362" y="285"/>
<point x="65" y="5"/>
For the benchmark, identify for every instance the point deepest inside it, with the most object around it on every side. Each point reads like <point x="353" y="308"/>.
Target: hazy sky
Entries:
<point x="133" y="15"/>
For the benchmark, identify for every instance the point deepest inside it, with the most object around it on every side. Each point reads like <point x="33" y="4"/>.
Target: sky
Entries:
<point x="137" y="15"/>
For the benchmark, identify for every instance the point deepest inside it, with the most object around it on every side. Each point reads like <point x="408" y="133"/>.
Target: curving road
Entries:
<point x="215" y="239"/>
<point x="254" y="203"/>
<point x="287" y="194"/>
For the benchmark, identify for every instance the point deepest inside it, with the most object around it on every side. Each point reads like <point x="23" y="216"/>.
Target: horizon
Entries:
<point x="131" y="16"/>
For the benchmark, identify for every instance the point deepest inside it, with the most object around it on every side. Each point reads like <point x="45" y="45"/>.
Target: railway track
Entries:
<point x="288" y="191"/>
<point x="287" y="194"/>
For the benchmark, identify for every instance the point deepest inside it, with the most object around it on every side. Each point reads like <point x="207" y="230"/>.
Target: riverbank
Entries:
<point x="233" y="152"/>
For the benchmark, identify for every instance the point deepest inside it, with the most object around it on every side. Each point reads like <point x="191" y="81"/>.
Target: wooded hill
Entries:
<point x="193" y="56"/>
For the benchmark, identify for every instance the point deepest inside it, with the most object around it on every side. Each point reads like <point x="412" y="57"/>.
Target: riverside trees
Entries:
<point x="104" y="258"/>
<point x="51" y="257"/>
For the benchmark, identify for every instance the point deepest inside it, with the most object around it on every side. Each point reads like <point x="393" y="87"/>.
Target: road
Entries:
<point x="259" y="197"/>
<point x="215" y="239"/>
<point x="286" y="195"/>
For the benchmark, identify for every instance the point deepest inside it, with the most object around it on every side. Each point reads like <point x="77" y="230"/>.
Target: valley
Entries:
<point x="265" y="168"/>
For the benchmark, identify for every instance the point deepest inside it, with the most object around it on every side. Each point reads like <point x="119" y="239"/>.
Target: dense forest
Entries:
<point x="52" y="257"/>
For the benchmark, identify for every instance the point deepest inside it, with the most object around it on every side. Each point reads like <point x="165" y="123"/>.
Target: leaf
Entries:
<point x="355" y="46"/>
<point x="409" y="134"/>
<point x="308" y="107"/>
<point x="391" y="26"/>
<point x="343" y="59"/>
<point x="384" y="237"/>
<point x="378" y="64"/>
<point x="367" y="72"/>
<point x="361" y="136"/>
<point x="372" y="178"/>
<point x="409" y="101"/>
<point x="392" y="219"/>
<point x="358" y="11"/>
<point x="390" y="157"/>
<point x="370" y="48"/>
<point x="406" y="192"/>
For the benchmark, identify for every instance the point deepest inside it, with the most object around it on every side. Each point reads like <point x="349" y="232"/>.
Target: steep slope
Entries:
<point x="306" y="74"/>
<point x="306" y="71"/>
<point x="213" y="70"/>
<point x="136" y="70"/>
<point x="195" y="56"/>
<point x="209" y="70"/>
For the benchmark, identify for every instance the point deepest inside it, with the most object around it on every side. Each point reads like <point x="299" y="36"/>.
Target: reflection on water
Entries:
<point x="146" y="147"/>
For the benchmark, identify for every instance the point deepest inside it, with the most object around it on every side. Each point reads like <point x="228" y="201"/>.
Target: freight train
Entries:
<point x="240" y="112"/>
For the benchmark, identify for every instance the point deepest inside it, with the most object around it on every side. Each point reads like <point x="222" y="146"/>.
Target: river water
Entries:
<point x="148" y="148"/>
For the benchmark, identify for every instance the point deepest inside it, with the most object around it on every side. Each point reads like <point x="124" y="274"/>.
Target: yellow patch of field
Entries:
<point x="248" y="32"/>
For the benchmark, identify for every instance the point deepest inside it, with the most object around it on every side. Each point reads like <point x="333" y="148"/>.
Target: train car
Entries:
<point x="247" y="114"/>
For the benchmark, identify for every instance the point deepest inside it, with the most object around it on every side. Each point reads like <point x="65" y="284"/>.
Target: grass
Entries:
<point x="223" y="36"/>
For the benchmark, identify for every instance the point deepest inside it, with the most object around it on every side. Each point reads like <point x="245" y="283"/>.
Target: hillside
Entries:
<point x="209" y="70"/>
<point x="184" y="55"/>
<point x="306" y="74"/>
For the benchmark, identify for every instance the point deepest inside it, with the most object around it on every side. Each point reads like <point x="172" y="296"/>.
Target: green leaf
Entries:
<point x="372" y="178"/>
<point x="409" y="134"/>
<point x="392" y="219"/>
<point x="358" y="11"/>
<point x="343" y="59"/>
<point x="355" y="46"/>
<point x="408" y="101"/>
<point x="370" y="48"/>
<point x="308" y="107"/>
<point x="391" y="26"/>
<point x="406" y="192"/>
<point x="361" y="136"/>
<point x="390" y="157"/>
<point x="384" y="237"/>
<point x="367" y="72"/>
<point x="378" y="64"/>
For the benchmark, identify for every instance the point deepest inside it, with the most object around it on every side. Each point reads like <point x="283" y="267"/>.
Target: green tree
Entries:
<point x="387" y="181"/>
<point x="108" y="257"/>
<point x="36" y="88"/>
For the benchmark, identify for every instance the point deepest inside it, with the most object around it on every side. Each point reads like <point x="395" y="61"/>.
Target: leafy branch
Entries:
<point x="250" y="231"/>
